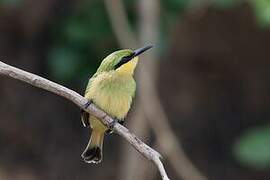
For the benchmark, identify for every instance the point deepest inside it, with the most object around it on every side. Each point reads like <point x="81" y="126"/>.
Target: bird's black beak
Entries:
<point x="139" y="51"/>
<point x="135" y="53"/>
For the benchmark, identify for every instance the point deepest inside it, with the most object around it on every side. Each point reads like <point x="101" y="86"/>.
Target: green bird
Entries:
<point x="112" y="88"/>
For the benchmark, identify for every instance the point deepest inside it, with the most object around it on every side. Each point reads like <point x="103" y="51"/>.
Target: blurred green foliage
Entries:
<point x="225" y="4"/>
<point x="82" y="38"/>
<point x="80" y="41"/>
<point x="11" y="3"/>
<point x="262" y="11"/>
<point x="252" y="148"/>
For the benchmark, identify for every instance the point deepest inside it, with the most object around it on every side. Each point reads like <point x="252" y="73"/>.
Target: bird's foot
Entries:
<point x="87" y="104"/>
<point x="121" y="122"/>
<point x="111" y="126"/>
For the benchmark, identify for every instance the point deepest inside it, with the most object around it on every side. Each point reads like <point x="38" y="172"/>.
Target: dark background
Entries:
<point x="212" y="80"/>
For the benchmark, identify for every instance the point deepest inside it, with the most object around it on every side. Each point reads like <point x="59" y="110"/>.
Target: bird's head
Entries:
<point x="122" y="61"/>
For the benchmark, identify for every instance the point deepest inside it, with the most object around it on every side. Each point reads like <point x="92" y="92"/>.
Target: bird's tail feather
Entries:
<point x="93" y="151"/>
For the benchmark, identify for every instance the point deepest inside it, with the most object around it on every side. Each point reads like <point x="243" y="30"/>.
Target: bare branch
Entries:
<point x="80" y="101"/>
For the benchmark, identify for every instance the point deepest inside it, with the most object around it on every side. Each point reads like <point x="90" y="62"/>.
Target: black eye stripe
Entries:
<point x="124" y="60"/>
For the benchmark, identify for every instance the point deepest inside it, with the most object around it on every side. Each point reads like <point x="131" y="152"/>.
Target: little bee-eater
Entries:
<point x="112" y="88"/>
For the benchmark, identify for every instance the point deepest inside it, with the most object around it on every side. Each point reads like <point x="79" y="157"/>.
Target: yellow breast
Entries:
<point x="113" y="93"/>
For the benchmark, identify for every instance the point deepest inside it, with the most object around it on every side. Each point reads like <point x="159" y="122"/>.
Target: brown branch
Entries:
<point x="80" y="101"/>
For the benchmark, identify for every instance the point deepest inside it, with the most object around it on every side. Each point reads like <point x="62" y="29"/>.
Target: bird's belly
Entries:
<point x="116" y="104"/>
<point x="113" y="94"/>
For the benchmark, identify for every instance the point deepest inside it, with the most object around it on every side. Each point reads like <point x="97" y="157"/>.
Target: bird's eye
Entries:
<point x="124" y="60"/>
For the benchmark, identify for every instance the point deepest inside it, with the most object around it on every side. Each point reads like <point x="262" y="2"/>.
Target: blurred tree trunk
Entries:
<point x="216" y="79"/>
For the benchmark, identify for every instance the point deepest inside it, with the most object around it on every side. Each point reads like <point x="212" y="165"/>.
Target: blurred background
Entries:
<point x="203" y="93"/>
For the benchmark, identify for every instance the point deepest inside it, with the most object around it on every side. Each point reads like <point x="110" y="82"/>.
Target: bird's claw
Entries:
<point x="111" y="126"/>
<point x="121" y="122"/>
<point x="87" y="104"/>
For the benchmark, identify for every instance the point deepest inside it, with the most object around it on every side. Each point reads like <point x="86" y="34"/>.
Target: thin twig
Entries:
<point x="80" y="101"/>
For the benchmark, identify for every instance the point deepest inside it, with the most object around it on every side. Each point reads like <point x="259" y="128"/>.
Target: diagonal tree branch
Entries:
<point x="80" y="101"/>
